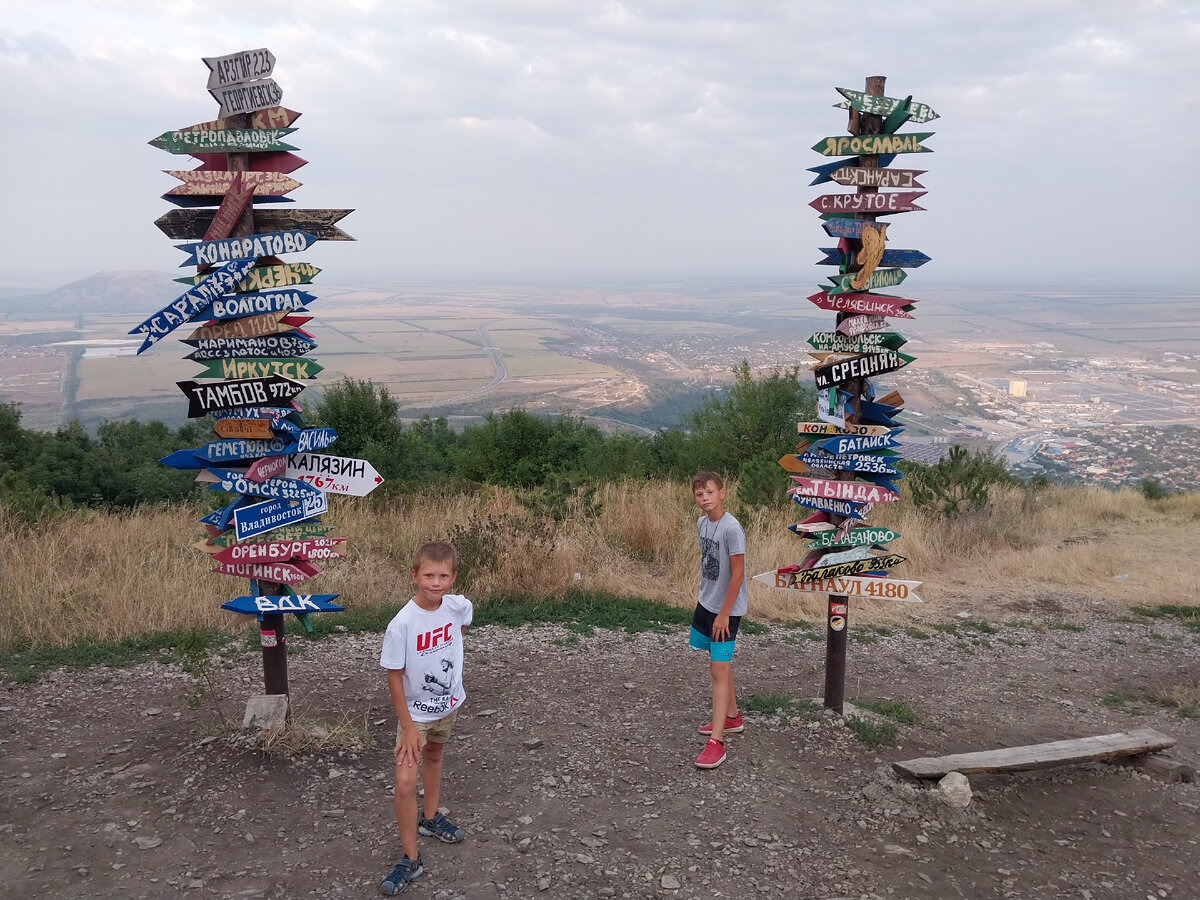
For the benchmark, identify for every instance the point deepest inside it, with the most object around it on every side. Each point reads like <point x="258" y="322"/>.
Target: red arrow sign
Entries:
<point x="281" y="551"/>
<point x="858" y="491"/>
<point x="233" y="204"/>
<point x="280" y="573"/>
<point x="879" y="204"/>
<point x="863" y="304"/>
<point x="272" y="161"/>
<point x="267" y="467"/>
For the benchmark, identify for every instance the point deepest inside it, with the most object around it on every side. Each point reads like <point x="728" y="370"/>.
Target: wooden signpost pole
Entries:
<point x="837" y="620"/>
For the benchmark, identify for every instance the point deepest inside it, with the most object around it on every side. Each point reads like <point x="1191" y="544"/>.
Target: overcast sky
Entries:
<point x="530" y="140"/>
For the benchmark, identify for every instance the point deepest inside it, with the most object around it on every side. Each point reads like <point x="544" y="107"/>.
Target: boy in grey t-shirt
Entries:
<point x="720" y="604"/>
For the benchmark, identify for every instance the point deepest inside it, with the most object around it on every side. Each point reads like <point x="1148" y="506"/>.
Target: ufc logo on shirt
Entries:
<point x="431" y="639"/>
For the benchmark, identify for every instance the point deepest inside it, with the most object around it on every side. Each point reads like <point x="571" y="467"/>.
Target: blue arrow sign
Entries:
<point x="849" y="462"/>
<point x="878" y="413"/>
<point x="238" y="305"/>
<point x="282" y="488"/>
<point x="183" y="459"/>
<point x="261" y="517"/>
<point x="192" y="303"/>
<point x="252" y="247"/>
<point x="245" y="448"/>
<point x="311" y="439"/>
<point x="901" y="259"/>
<point x="293" y="603"/>
<point x="860" y="443"/>
<point x="824" y="170"/>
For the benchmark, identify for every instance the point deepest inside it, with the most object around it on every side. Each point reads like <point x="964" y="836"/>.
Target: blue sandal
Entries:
<point x="441" y="828"/>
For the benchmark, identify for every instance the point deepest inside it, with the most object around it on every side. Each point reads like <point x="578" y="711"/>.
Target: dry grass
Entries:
<point x="109" y="576"/>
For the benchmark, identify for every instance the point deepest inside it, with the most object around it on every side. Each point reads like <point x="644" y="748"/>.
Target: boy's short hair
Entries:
<point x="700" y="479"/>
<point x="435" y="552"/>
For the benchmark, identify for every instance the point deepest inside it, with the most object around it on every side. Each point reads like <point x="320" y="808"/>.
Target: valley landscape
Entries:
<point x="1091" y="383"/>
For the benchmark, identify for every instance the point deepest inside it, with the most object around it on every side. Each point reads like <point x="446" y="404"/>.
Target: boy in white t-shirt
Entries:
<point x="423" y="653"/>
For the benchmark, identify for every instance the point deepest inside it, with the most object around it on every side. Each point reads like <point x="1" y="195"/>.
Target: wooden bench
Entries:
<point x="1101" y="747"/>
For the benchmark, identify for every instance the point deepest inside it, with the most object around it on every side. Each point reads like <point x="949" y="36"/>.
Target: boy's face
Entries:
<point x="432" y="580"/>
<point x="708" y="496"/>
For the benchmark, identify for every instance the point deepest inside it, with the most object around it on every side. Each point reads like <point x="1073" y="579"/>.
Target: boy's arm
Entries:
<point x="408" y="750"/>
<point x="737" y="573"/>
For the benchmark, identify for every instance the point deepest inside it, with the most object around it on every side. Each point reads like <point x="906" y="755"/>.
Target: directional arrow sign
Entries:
<point x="204" y="398"/>
<point x="315" y="439"/>
<point x="879" y="204"/>
<point x="277" y="161"/>
<point x="232" y="449"/>
<point x="875" y="105"/>
<point x="873" y="144"/>
<point x="213" y="183"/>
<point x="878" y="413"/>
<point x="825" y="171"/>
<point x="847" y="586"/>
<point x="253" y="246"/>
<point x="237" y="305"/>
<point x="855" y="537"/>
<point x="848" y="430"/>
<point x="832" y="342"/>
<point x="284" y="488"/>
<point x="191" y="224"/>
<point x="192" y="303"/>
<point x="247" y="98"/>
<point x="335" y="474"/>
<point x="296" y="369"/>
<point x="243" y="428"/>
<point x="847" y="228"/>
<point x="279" y="573"/>
<point x="267" y="467"/>
<point x="847" y="508"/>
<point x="281" y="551"/>
<point x="183" y="459"/>
<point x="849" y="462"/>
<point x="289" y="344"/>
<point x="301" y="532"/>
<point x="862" y="443"/>
<point x="262" y="517"/>
<point x="860" y="176"/>
<point x="854" y="567"/>
<point x="861" y="367"/>
<point x="905" y="259"/>
<point x="225" y="140"/>
<point x="844" y="556"/>
<point x="250" y="326"/>
<point x="233" y="204"/>
<point x="238" y="68"/>
<point x="852" y="282"/>
<point x="274" y="117"/>
<point x="853" y="326"/>
<point x="265" y="278"/>
<point x="277" y="603"/>
<point x="858" y="491"/>
<point x="863" y="304"/>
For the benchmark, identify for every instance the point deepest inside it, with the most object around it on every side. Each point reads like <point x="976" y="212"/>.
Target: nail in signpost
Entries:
<point x="852" y="447"/>
<point x="249" y="341"/>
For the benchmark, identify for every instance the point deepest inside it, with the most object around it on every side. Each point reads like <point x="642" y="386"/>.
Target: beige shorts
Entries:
<point x="435" y="732"/>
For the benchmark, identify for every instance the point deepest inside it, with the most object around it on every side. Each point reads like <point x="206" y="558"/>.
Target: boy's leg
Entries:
<point x="732" y="706"/>
<point x="405" y="801"/>
<point x="722" y="684"/>
<point x="431" y="767"/>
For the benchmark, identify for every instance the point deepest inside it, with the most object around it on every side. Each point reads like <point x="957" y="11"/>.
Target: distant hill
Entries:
<point x="115" y="292"/>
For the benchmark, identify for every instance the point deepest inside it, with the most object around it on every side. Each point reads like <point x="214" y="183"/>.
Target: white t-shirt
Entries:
<point x="718" y="541"/>
<point x="427" y="645"/>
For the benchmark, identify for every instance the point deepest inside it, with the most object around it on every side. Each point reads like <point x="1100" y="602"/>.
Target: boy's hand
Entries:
<point x="720" y="628"/>
<point x="408" y="751"/>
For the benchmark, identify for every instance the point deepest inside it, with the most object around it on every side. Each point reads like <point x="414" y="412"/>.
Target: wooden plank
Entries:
<point x="296" y="368"/>
<point x="903" y="259"/>
<point x="224" y="140"/>
<point x="876" y="105"/>
<point x="855" y="282"/>
<point x="863" y="304"/>
<point x="858" y="491"/>
<point x="879" y="204"/>
<point x="190" y="224"/>
<point x="825" y="171"/>
<point x="865" y="586"/>
<point x="233" y="204"/>
<point x="861" y="176"/>
<point x="238" y="68"/>
<point x="288" y="345"/>
<point x="280" y="603"/>
<point x="259" y="518"/>
<point x="235" y="306"/>
<point x="250" y="326"/>
<point x="1102" y="747"/>
<point x="839" y="445"/>
<point x="266" y="277"/>
<point x="854" y="567"/>
<point x="1164" y="768"/>
<point x="275" y="117"/>
<point x="277" y="573"/>
<point x="832" y="342"/>
<point x="855" y="325"/>
<point x="847" y="508"/>
<point x="861" y="367"/>
<point x="300" y="532"/>
<point x="216" y="182"/>
<point x="821" y="428"/>
<point x="280" y="551"/>
<point x="873" y="144"/>
<point x="255" y="246"/>
<point x="234" y="482"/>
<point x="335" y="474"/>
<point x="239" y="99"/>
<point x="243" y="428"/>
<point x="270" y="161"/>
<point x="204" y="398"/>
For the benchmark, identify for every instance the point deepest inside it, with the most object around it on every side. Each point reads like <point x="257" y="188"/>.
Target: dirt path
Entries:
<point x="114" y="787"/>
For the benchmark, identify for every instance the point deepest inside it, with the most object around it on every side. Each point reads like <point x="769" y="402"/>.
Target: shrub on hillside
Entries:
<point x="960" y="481"/>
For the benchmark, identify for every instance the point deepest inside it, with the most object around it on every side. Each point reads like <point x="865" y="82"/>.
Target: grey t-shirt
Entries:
<point x="718" y="541"/>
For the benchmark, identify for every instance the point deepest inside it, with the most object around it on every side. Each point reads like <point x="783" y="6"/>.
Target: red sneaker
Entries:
<point x="732" y="726"/>
<point x="712" y="755"/>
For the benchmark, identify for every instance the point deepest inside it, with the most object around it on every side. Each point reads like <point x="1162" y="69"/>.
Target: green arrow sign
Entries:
<point x="875" y="105"/>
<point x="873" y="144"/>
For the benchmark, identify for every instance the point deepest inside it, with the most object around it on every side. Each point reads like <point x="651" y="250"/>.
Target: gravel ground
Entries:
<point x="571" y="769"/>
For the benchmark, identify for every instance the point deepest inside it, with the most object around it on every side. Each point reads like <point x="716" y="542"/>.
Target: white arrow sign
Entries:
<point x="848" y="586"/>
<point x="238" y="68"/>
<point x="334" y="474"/>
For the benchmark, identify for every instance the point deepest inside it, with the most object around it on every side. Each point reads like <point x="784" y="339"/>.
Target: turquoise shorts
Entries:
<point x="701" y="634"/>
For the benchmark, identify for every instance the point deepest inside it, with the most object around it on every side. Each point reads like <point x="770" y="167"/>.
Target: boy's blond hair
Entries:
<point x="435" y="552"/>
<point x="700" y="479"/>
